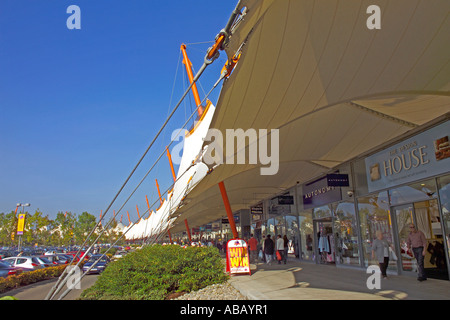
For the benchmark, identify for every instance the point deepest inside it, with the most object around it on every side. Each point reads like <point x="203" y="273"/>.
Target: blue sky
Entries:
<point x="79" y="107"/>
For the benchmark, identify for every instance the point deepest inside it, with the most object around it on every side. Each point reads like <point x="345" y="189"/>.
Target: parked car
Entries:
<point x="26" y="263"/>
<point x="99" y="266"/>
<point x="119" y="254"/>
<point x="60" y="258"/>
<point x="81" y="255"/>
<point x="7" y="270"/>
<point x="43" y="261"/>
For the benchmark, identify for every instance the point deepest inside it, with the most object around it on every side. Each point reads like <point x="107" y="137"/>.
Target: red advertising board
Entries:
<point x="238" y="257"/>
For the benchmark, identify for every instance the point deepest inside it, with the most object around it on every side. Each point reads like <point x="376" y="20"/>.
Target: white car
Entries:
<point x="119" y="254"/>
<point x="26" y="263"/>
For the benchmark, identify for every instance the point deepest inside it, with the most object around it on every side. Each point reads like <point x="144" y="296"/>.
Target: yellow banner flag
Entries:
<point x="21" y="223"/>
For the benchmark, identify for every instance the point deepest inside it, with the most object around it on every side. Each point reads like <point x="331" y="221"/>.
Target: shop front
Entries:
<point x="328" y="225"/>
<point x="408" y="184"/>
<point x="277" y="216"/>
<point x="329" y="234"/>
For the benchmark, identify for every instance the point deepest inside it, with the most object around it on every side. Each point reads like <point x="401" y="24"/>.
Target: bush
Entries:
<point x="156" y="271"/>
<point x="26" y="278"/>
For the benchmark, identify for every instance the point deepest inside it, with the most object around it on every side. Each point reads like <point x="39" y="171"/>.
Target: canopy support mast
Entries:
<point x="190" y="74"/>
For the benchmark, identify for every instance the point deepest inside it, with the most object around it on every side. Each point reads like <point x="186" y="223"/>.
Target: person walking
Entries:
<point x="380" y="251"/>
<point x="268" y="249"/>
<point x="418" y="243"/>
<point x="280" y="248"/>
<point x="262" y="248"/>
<point x="286" y="248"/>
<point x="253" y="246"/>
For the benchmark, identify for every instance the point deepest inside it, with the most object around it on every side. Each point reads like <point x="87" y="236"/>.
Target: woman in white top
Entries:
<point x="280" y="248"/>
<point x="380" y="251"/>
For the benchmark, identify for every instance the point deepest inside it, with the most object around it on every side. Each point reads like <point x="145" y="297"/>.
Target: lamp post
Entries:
<point x="23" y="205"/>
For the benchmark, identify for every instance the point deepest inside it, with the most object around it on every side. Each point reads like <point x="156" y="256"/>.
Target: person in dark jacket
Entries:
<point x="268" y="249"/>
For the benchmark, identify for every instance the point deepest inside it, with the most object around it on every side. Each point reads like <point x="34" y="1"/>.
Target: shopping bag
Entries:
<point x="392" y="255"/>
<point x="278" y="255"/>
<point x="261" y="254"/>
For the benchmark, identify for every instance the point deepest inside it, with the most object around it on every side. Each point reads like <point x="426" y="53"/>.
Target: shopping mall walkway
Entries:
<point x="307" y="281"/>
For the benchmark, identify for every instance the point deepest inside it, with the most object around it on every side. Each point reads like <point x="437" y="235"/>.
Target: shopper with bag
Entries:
<point x="280" y="249"/>
<point x="380" y="251"/>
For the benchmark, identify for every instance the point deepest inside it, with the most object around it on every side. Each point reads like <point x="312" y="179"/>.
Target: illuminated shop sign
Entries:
<point x="338" y="180"/>
<point x="319" y="193"/>
<point x="425" y="155"/>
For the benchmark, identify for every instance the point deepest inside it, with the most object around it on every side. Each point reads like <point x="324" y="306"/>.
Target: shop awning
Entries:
<point x="334" y="89"/>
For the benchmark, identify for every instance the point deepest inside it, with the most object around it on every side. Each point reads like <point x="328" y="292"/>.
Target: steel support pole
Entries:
<point x="226" y="202"/>
<point x="188" y="231"/>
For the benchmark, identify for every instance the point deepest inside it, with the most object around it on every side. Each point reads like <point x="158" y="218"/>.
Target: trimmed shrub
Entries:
<point x="26" y="278"/>
<point x="156" y="271"/>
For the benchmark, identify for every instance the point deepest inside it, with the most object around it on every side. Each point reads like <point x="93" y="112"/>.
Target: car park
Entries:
<point x="99" y="266"/>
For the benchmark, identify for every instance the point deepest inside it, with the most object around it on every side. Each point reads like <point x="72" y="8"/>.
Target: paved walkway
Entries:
<point x="308" y="281"/>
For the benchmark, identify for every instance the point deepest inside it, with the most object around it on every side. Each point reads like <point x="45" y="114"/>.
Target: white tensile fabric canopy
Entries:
<point x="334" y="88"/>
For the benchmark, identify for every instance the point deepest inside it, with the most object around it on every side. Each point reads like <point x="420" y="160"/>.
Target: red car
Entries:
<point x="81" y="255"/>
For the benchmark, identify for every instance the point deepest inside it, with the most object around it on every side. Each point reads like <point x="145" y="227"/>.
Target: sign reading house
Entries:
<point x="422" y="156"/>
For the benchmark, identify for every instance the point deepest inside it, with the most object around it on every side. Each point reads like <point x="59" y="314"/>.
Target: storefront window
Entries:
<point x="293" y="235"/>
<point x="444" y="196"/>
<point x="323" y="212"/>
<point x="307" y="235"/>
<point x="425" y="190"/>
<point x="346" y="235"/>
<point x="270" y="227"/>
<point x="375" y="216"/>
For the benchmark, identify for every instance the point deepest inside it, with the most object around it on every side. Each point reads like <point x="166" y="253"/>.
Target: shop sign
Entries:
<point x="338" y="180"/>
<point x="257" y="217"/>
<point x="215" y="226"/>
<point x="425" y="155"/>
<point x="21" y="223"/>
<point x="318" y="193"/>
<point x="237" y="257"/>
<point x="258" y="209"/>
<point x="285" y="200"/>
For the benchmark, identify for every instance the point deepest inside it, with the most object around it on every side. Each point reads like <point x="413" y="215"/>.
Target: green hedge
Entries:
<point x="22" y="279"/>
<point x="156" y="271"/>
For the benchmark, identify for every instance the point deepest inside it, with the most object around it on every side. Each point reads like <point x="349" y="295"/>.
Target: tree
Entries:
<point x="65" y="224"/>
<point x="8" y="225"/>
<point x="83" y="225"/>
<point x="35" y="225"/>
